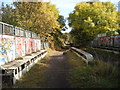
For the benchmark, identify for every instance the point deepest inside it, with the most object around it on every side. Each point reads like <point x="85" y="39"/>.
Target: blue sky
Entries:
<point x="66" y="6"/>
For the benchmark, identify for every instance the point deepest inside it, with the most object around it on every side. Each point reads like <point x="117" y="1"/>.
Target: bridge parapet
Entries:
<point x="87" y="57"/>
<point x="17" y="68"/>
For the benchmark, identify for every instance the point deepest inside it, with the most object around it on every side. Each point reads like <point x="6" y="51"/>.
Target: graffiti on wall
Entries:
<point x="7" y="49"/>
<point x="33" y="45"/>
<point x="2" y="59"/>
<point x="28" y="45"/>
<point x="23" y="46"/>
<point x="12" y="47"/>
<point x="20" y="46"/>
<point x="37" y="45"/>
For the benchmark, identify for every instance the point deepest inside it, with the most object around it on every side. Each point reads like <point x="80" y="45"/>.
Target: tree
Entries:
<point x="89" y="19"/>
<point x="40" y="17"/>
<point x="8" y="14"/>
<point x="118" y="19"/>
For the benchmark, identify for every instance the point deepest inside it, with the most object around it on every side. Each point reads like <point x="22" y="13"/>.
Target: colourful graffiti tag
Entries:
<point x="2" y="51"/>
<point x="37" y="45"/>
<point x="28" y="46"/>
<point x="7" y="48"/>
<point x="2" y="48"/>
<point x="12" y="47"/>
<point x="33" y="47"/>
<point x="20" y="46"/>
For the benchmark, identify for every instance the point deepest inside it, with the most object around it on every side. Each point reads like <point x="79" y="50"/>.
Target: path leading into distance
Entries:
<point x="51" y="72"/>
<point x="58" y="71"/>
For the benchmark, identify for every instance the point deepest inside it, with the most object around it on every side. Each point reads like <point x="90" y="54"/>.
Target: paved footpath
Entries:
<point x="58" y="71"/>
<point x="54" y="73"/>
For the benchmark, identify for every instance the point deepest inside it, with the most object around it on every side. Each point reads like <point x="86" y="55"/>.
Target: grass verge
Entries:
<point x="97" y="75"/>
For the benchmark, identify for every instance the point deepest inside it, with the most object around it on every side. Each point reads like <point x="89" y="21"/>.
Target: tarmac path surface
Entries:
<point x="51" y="72"/>
<point x="58" y="71"/>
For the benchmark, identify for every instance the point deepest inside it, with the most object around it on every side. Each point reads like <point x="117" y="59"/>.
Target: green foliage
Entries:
<point x="40" y="17"/>
<point x="89" y="19"/>
<point x="84" y="77"/>
<point x="118" y="14"/>
<point x="8" y="14"/>
<point x="58" y="41"/>
<point x="61" y="20"/>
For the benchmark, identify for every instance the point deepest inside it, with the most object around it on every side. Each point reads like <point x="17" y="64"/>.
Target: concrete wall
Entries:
<point x="7" y="49"/>
<point x="12" y="47"/>
<point x="20" y="46"/>
<point x="16" y="42"/>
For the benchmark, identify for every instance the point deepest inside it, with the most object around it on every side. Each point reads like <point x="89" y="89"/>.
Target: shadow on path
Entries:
<point x="52" y="72"/>
<point x="58" y="71"/>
